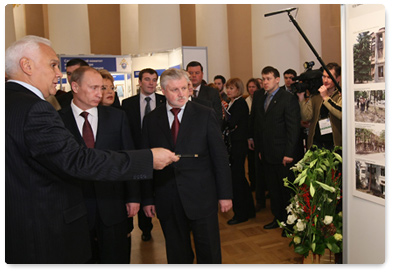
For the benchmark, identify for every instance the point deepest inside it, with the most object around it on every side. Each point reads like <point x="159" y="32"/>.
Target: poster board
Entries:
<point x="366" y="55"/>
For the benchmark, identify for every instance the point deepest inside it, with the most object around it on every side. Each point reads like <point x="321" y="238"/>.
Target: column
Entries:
<point x="10" y="35"/>
<point x="159" y="27"/>
<point x="212" y="31"/>
<point x="69" y="28"/>
<point x="129" y="29"/>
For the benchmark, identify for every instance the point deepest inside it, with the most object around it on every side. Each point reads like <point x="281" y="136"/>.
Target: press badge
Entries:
<point x="325" y="126"/>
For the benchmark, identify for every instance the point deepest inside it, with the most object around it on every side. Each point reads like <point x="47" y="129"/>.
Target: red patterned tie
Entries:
<point x="87" y="133"/>
<point x="176" y="124"/>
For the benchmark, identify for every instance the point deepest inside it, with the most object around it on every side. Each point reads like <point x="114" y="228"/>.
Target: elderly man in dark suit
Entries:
<point x="277" y="118"/>
<point x="204" y="92"/>
<point x="109" y="204"/>
<point x="136" y="107"/>
<point x="45" y="215"/>
<point x="185" y="195"/>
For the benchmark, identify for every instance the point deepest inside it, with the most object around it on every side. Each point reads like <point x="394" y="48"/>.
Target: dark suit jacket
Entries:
<point x="45" y="215"/>
<point x="278" y="127"/>
<point x="238" y="120"/>
<point x="212" y="95"/>
<point x="132" y="108"/>
<point x="200" y="182"/>
<point x="113" y="133"/>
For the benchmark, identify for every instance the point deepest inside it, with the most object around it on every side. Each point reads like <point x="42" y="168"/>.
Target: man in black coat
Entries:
<point x="45" y="214"/>
<point x="277" y="122"/>
<point x="185" y="195"/>
<point x="136" y="107"/>
<point x="204" y="92"/>
<point x="109" y="204"/>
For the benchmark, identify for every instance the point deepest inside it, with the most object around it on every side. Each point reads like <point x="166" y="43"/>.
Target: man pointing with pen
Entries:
<point x="185" y="194"/>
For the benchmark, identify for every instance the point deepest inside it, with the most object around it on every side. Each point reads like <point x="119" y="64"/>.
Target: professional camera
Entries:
<point x="310" y="80"/>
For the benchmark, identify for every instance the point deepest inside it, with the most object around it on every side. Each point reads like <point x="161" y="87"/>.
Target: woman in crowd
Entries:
<point x="252" y="85"/>
<point x="110" y="97"/>
<point x="237" y="128"/>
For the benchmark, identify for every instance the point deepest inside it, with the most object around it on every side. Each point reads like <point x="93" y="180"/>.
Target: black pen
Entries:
<point x="188" y="155"/>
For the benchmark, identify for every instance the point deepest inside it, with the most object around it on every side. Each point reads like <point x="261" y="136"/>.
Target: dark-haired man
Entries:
<point x="64" y="98"/>
<point x="195" y="70"/>
<point x="278" y="120"/>
<point x="289" y="74"/>
<point x="136" y="107"/>
<point x="219" y="82"/>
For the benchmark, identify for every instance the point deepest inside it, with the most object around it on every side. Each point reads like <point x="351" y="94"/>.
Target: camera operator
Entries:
<point x="324" y="111"/>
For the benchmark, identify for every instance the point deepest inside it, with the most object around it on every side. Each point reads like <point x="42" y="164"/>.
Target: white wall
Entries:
<point x="276" y="41"/>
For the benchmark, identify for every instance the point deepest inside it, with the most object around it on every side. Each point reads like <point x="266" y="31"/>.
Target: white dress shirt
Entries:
<point x="93" y="118"/>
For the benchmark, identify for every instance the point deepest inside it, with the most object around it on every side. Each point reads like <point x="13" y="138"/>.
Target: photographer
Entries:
<point x="324" y="111"/>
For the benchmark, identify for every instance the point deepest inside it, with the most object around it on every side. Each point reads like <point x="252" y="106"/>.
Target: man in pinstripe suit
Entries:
<point x="45" y="217"/>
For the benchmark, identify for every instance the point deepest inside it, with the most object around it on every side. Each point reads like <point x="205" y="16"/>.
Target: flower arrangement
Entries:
<point x="314" y="220"/>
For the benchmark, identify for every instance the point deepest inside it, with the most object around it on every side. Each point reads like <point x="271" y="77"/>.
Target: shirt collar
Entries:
<point x="77" y="111"/>
<point x="30" y="87"/>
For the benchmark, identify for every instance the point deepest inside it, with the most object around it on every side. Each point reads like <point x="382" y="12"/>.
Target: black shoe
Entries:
<point x="146" y="236"/>
<point x="272" y="225"/>
<point x="258" y="207"/>
<point x="234" y="221"/>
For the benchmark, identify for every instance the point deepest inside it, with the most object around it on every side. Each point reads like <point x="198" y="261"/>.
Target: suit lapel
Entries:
<point x="274" y="100"/>
<point x="71" y="125"/>
<point x="163" y="124"/>
<point x="159" y="100"/>
<point x="102" y="125"/>
<point x="186" y="123"/>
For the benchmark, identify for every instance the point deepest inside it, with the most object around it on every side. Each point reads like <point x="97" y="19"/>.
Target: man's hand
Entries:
<point x="251" y="144"/>
<point x="225" y="204"/>
<point x="163" y="157"/>
<point x="132" y="209"/>
<point x="149" y="211"/>
<point x="301" y="96"/>
<point x="287" y="160"/>
<point x="324" y="92"/>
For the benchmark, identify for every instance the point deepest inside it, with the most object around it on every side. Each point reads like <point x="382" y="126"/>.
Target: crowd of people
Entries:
<point x="77" y="172"/>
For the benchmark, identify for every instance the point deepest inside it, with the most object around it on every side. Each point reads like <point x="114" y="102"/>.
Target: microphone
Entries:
<point x="280" y="11"/>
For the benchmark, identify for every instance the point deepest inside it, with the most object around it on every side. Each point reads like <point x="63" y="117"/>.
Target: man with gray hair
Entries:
<point x="45" y="215"/>
<point x="186" y="194"/>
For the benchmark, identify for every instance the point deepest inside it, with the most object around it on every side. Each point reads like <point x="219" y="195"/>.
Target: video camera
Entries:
<point x="309" y="80"/>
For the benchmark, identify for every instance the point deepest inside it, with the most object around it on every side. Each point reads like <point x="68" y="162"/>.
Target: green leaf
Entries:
<point x="338" y="157"/>
<point x="301" y="249"/>
<point x="312" y="190"/>
<point x="326" y="187"/>
<point x="313" y="162"/>
<point x="302" y="180"/>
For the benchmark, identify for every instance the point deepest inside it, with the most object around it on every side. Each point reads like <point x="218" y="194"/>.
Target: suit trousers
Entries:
<point x="110" y="244"/>
<point x="177" y="232"/>
<point x="243" y="202"/>
<point x="260" y="185"/>
<point x="144" y="222"/>
<point x="279" y="194"/>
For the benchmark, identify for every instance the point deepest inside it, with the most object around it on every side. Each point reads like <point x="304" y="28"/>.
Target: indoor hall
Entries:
<point x="240" y="42"/>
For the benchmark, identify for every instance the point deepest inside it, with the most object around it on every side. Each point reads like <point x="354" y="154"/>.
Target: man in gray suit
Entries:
<point x="45" y="216"/>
